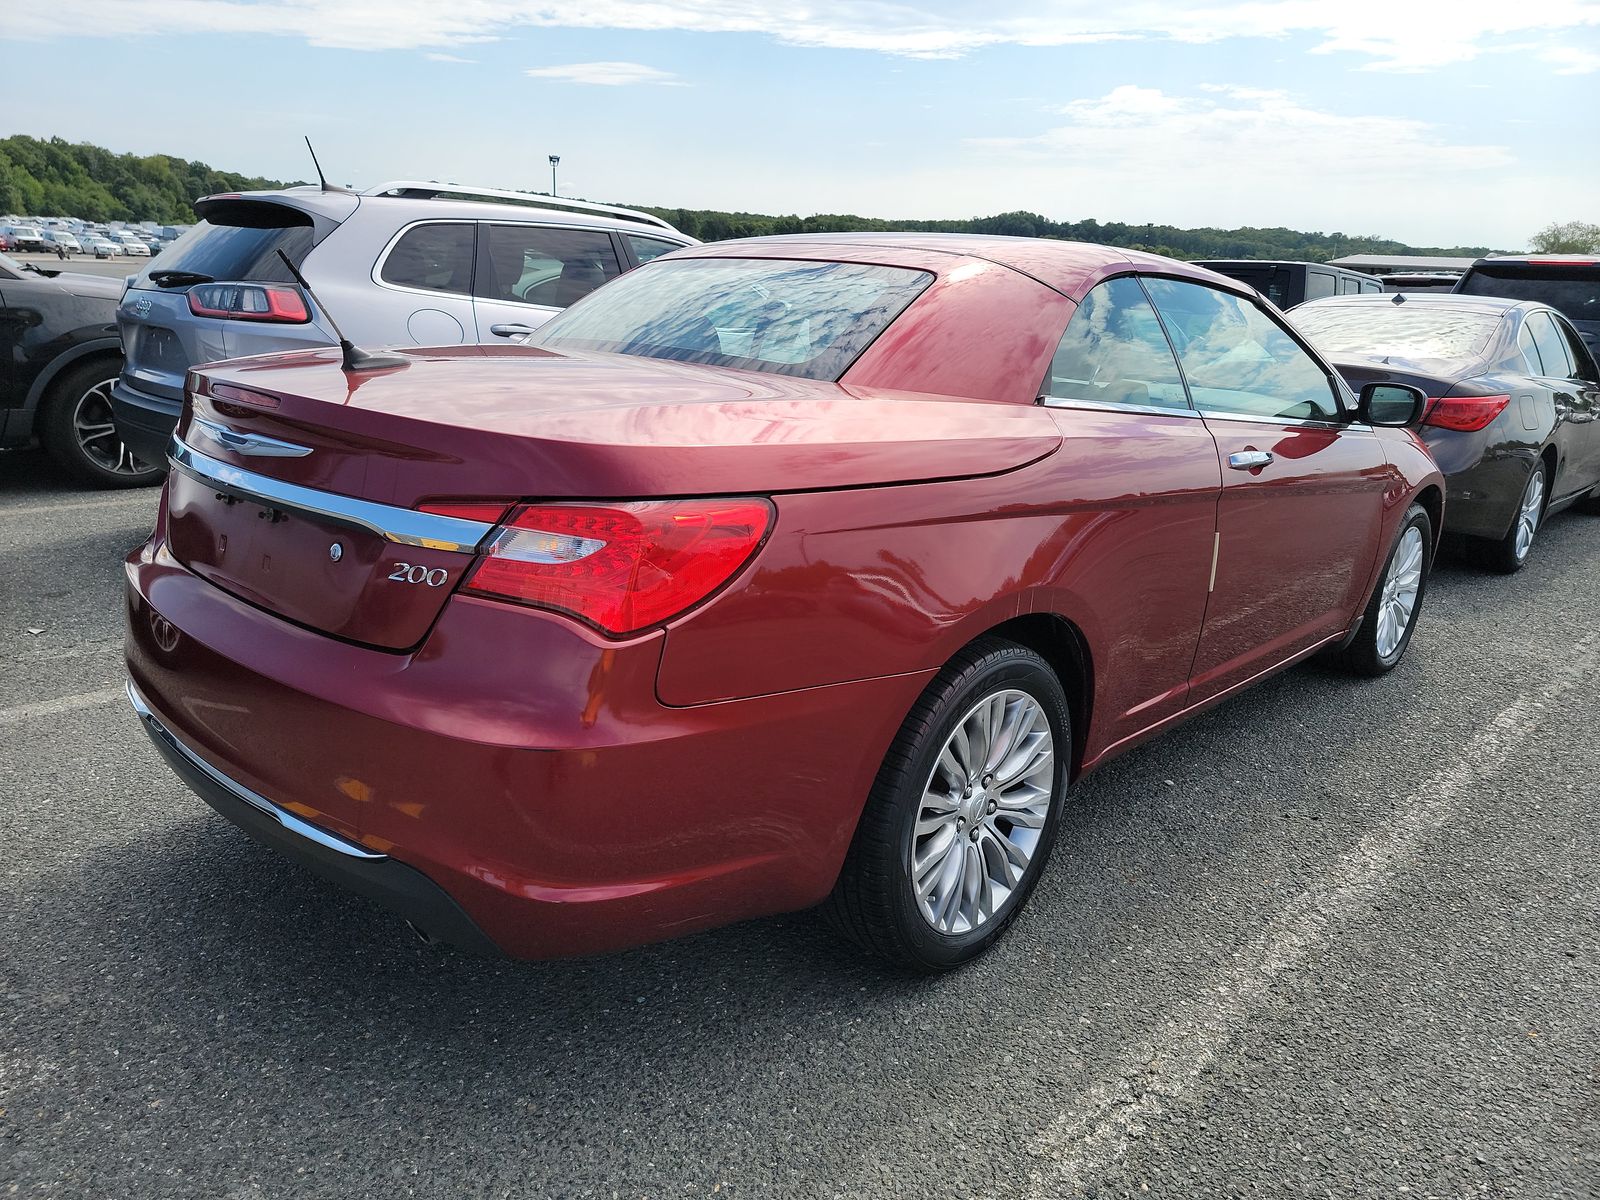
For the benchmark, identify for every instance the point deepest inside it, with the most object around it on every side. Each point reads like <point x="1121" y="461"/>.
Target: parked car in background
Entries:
<point x="6" y="243"/>
<point x="1287" y="284"/>
<point x="1420" y="281"/>
<point x="846" y="555"/>
<point x="1568" y="283"/>
<point x="29" y="238"/>
<point x="413" y="264"/>
<point x="61" y="240"/>
<point x="1514" y="415"/>
<point x="100" y="247"/>
<point x="59" y="355"/>
<point x="133" y="247"/>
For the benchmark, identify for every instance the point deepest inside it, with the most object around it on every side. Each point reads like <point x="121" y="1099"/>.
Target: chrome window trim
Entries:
<point x="1266" y="419"/>
<point x="404" y="526"/>
<point x="1150" y="410"/>
<point x="383" y="257"/>
<point x="312" y="833"/>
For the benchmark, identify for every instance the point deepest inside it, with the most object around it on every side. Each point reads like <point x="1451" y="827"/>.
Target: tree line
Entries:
<point x="55" y="177"/>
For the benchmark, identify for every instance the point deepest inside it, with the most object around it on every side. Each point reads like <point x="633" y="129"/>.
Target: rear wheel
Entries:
<point x="1391" y="615"/>
<point x="78" y="432"/>
<point x="1508" y="554"/>
<point x="963" y="814"/>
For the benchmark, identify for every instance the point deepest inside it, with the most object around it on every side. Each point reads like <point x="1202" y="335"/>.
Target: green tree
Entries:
<point x="1566" y="237"/>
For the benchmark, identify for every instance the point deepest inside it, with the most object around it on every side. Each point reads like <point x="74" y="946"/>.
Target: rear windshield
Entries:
<point x="809" y="319"/>
<point x="1448" y="332"/>
<point x="240" y="243"/>
<point x="1574" y="291"/>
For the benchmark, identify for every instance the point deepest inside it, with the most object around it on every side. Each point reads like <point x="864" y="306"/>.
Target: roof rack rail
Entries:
<point x="416" y="189"/>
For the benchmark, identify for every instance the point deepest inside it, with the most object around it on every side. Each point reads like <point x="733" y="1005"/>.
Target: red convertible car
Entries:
<point x="778" y="573"/>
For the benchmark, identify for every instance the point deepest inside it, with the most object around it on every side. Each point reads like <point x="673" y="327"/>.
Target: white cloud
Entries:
<point x="1408" y="35"/>
<point x="1231" y="156"/>
<point x="447" y="58"/>
<point x="608" y="74"/>
<point x="1571" y="60"/>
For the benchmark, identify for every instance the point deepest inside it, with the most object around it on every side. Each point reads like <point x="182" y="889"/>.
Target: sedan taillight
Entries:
<point x="620" y="567"/>
<point x="1465" y="414"/>
<point x="249" y="302"/>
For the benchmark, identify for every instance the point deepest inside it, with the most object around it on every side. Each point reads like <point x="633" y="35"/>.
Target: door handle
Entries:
<point x="1249" y="460"/>
<point x="511" y="330"/>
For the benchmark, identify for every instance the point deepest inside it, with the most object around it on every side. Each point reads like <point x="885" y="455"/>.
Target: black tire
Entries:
<point x="1501" y="555"/>
<point x="874" y="901"/>
<point x="1362" y="655"/>
<point x="103" y="462"/>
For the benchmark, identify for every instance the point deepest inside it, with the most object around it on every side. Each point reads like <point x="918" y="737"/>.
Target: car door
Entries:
<point x="1301" y="509"/>
<point x="429" y="267"/>
<point x="1585" y="382"/>
<point x="1138" y="483"/>
<point x="1575" y="404"/>
<point x="528" y="273"/>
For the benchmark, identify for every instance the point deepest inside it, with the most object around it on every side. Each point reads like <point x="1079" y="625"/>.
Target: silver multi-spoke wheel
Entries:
<point x="96" y="433"/>
<point x="983" y="811"/>
<point x="1400" y="590"/>
<point x="1529" y="514"/>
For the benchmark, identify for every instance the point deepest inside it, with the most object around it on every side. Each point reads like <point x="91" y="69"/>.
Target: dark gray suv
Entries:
<point x="401" y="264"/>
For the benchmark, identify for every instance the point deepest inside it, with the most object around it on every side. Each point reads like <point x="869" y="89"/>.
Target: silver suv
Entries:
<point x="401" y="264"/>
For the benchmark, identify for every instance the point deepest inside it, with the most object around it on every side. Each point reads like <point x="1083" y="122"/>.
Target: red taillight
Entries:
<point x="621" y="567"/>
<point x="488" y="512"/>
<point x="249" y="302"/>
<point x="1465" y="414"/>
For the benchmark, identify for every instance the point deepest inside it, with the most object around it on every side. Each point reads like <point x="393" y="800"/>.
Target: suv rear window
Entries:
<point x="239" y="241"/>
<point x="1572" y="290"/>
<point x="788" y="317"/>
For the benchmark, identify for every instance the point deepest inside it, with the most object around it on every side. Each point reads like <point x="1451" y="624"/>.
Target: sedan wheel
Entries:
<point x="1401" y="587"/>
<point x="78" y="431"/>
<point x="963" y="814"/>
<point x="1391" y="615"/>
<point x="1508" y="554"/>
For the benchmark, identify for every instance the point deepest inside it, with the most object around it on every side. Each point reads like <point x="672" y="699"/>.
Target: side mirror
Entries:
<point x="1395" y="405"/>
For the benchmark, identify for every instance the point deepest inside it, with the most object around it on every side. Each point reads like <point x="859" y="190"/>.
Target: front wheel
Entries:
<point x="963" y="813"/>
<point x="1391" y="615"/>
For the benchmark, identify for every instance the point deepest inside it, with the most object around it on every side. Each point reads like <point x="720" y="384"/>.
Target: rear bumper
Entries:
<point x="516" y="765"/>
<point x="144" y="422"/>
<point x="377" y="876"/>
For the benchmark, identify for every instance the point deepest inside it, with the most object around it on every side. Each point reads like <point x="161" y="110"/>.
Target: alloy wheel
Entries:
<point x="1528" y="516"/>
<point x="96" y="433"/>
<point x="983" y="811"/>
<point x="1400" y="590"/>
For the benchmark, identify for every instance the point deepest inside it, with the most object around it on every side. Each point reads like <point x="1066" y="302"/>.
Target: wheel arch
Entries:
<point x="67" y="359"/>
<point x="1063" y="646"/>
<point x="1431" y="497"/>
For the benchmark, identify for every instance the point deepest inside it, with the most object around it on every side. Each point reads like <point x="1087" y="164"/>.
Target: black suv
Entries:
<point x="1568" y="283"/>
<point x="59" y="356"/>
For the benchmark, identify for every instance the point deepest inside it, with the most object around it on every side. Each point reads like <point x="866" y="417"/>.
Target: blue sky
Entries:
<point x="1437" y="123"/>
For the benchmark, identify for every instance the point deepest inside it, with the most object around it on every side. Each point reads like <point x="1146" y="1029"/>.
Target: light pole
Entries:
<point x="555" y="160"/>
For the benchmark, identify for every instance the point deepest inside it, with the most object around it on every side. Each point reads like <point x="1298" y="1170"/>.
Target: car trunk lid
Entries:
<point x="301" y="486"/>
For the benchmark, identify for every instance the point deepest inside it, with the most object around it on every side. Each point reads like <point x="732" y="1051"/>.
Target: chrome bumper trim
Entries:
<point x="390" y="522"/>
<point x="256" y="801"/>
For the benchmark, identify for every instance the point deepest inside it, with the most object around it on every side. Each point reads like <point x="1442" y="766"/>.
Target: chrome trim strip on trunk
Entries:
<point x="394" y="524"/>
<point x="288" y="820"/>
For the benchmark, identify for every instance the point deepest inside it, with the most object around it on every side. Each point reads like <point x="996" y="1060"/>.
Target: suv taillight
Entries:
<point x="620" y="567"/>
<point x="249" y="302"/>
<point x="1464" y="414"/>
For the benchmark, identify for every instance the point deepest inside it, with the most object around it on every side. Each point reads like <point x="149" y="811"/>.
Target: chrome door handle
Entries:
<point x="511" y="330"/>
<point x="1249" y="460"/>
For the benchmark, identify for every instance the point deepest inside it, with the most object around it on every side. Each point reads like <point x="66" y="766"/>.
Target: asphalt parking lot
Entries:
<point x="1337" y="938"/>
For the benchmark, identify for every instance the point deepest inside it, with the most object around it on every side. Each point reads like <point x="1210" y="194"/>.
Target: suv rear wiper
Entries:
<point x="178" y="278"/>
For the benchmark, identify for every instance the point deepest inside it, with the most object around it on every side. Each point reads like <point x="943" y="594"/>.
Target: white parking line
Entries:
<point x="1095" y="1132"/>
<point x="49" y="708"/>
<point x="127" y="499"/>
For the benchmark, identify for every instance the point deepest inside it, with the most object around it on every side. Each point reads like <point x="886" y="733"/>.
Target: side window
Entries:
<point x="1552" y="346"/>
<point x="1114" y="352"/>
<point x="1530" y="352"/>
<point x="1583" y="361"/>
<point x="1237" y="359"/>
<point x="1371" y="285"/>
<point x="436" y="256"/>
<point x="646" y="248"/>
<point x="1318" y="285"/>
<point x="533" y="264"/>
